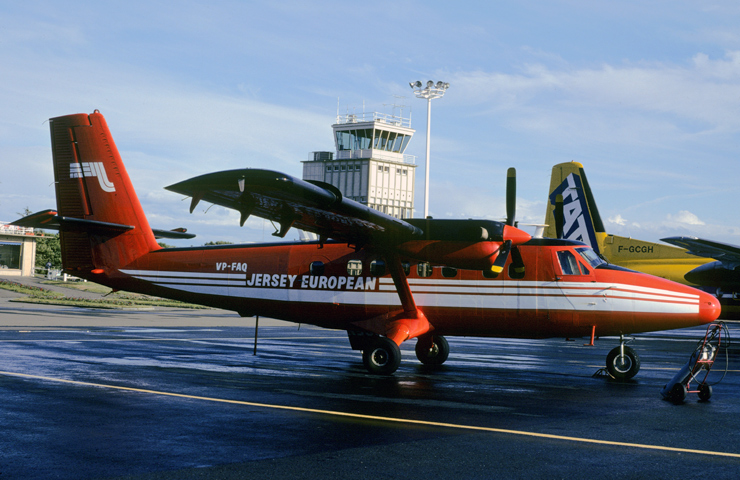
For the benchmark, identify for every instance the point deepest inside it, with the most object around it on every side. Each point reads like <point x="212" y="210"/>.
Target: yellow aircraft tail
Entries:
<point x="582" y="222"/>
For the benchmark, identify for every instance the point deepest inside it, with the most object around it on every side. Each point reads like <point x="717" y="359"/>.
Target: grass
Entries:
<point x="112" y="300"/>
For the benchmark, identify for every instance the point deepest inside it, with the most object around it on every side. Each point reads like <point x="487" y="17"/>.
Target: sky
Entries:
<point x="645" y="94"/>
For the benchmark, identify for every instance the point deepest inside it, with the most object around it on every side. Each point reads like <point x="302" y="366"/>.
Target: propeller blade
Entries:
<point x="559" y="216"/>
<point x="503" y="255"/>
<point x="517" y="262"/>
<point x="510" y="195"/>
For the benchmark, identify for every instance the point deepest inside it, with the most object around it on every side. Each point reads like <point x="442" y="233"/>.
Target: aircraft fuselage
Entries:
<point x="339" y="287"/>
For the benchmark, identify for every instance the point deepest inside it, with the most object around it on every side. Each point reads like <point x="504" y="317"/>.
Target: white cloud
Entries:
<point x="701" y="95"/>
<point x="618" y="220"/>
<point x="684" y="217"/>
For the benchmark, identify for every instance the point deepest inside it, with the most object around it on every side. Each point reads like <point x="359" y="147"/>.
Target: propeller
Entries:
<point x="510" y="232"/>
<point x="503" y="254"/>
<point x="510" y="196"/>
<point x="559" y="216"/>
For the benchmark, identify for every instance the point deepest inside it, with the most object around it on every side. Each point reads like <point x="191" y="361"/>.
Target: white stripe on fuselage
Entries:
<point x="480" y="294"/>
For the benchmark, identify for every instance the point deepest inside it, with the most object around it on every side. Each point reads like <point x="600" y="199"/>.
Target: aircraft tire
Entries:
<point x="437" y="354"/>
<point x="382" y="356"/>
<point x="622" y="368"/>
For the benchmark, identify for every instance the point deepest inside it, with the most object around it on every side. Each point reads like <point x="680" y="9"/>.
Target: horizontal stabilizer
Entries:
<point x="175" y="234"/>
<point x="50" y="220"/>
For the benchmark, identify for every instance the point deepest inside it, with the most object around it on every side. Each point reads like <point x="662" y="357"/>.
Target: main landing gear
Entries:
<point x="432" y="350"/>
<point x="382" y="356"/>
<point x="622" y="362"/>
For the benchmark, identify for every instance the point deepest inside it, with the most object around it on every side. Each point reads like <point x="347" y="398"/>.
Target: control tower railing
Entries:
<point x="374" y="117"/>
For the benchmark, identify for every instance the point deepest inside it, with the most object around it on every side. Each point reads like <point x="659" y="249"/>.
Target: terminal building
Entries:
<point x="17" y="251"/>
<point x="369" y="165"/>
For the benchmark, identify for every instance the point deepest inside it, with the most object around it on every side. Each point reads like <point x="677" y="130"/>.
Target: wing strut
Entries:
<point x="402" y="285"/>
<point x="411" y="322"/>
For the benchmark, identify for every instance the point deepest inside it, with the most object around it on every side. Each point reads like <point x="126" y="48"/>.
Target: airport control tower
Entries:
<point x="369" y="165"/>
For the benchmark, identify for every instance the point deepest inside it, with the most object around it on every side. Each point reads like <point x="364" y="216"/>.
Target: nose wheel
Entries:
<point x="622" y="363"/>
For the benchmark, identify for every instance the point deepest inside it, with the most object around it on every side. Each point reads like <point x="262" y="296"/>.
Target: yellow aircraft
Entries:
<point x="581" y="221"/>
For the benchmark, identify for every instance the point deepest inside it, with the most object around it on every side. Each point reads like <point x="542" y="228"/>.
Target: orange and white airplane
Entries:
<point x="383" y="280"/>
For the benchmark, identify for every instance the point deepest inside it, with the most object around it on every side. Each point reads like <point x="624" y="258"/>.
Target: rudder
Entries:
<point x="92" y="184"/>
<point x="582" y="221"/>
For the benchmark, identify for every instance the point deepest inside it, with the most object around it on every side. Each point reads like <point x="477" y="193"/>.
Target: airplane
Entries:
<point x="723" y="274"/>
<point x="582" y="222"/>
<point x="689" y="261"/>
<point x="384" y="280"/>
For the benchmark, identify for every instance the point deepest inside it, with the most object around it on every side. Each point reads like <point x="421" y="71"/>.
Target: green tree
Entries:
<point x="220" y="242"/>
<point x="48" y="250"/>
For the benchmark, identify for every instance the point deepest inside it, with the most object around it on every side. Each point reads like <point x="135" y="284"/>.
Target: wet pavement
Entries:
<point x="166" y="394"/>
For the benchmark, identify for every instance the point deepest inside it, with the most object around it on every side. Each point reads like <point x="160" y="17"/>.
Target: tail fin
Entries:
<point x="92" y="185"/>
<point x="582" y="219"/>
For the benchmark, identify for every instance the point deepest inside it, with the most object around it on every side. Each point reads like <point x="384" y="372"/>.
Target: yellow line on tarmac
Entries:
<point x="155" y="339"/>
<point x="383" y="419"/>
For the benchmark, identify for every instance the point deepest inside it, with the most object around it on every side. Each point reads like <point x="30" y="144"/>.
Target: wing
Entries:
<point x="729" y="255"/>
<point x="311" y="206"/>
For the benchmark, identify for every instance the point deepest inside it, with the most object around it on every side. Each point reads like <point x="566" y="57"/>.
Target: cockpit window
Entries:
<point x="590" y="257"/>
<point x="568" y="263"/>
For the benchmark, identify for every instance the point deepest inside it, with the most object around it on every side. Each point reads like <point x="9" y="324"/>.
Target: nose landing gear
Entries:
<point x="622" y="362"/>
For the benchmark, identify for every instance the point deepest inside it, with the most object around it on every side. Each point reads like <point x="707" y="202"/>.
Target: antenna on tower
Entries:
<point x="395" y="105"/>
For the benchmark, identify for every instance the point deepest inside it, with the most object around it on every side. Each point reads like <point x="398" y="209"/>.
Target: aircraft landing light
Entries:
<point x="380" y="418"/>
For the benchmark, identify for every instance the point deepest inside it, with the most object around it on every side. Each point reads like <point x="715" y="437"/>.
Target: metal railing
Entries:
<point x="374" y="117"/>
<point x="6" y="229"/>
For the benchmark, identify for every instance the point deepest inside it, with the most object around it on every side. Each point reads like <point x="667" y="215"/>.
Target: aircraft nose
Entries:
<point x="709" y="308"/>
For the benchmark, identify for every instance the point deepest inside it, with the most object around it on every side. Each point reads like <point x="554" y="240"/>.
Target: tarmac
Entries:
<point x="190" y="394"/>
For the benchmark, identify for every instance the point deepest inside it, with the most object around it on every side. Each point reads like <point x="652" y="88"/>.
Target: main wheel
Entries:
<point x="436" y="354"/>
<point x="382" y="356"/>
<point x="705" y="391"/>
<point x="622" y="367"/>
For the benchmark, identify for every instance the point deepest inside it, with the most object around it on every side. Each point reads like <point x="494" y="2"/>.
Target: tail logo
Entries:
<point x="577" y="222"/>
<point x="92" y="169"/>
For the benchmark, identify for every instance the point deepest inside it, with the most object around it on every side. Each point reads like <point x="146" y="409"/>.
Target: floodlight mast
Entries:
<point x="429" y="92"/>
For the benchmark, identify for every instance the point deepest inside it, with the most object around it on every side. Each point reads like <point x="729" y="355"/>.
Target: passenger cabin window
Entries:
<point x="449" y="272"/>
<point x="406" y="268"/>
<point x="316" y="268"/>
<point x="377" y="268"/>
<point x="514" y="274"/>
<point x="354" y="268"/>
<point x="488" y="273"/>
<point x="424" y="270"/>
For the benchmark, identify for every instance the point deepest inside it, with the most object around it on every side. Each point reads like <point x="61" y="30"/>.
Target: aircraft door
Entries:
<point x="574" y="279"/>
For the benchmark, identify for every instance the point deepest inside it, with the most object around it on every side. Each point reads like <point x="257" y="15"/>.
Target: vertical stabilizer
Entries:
<point x="92" y="184"/>
<point x="582" y="221"/>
